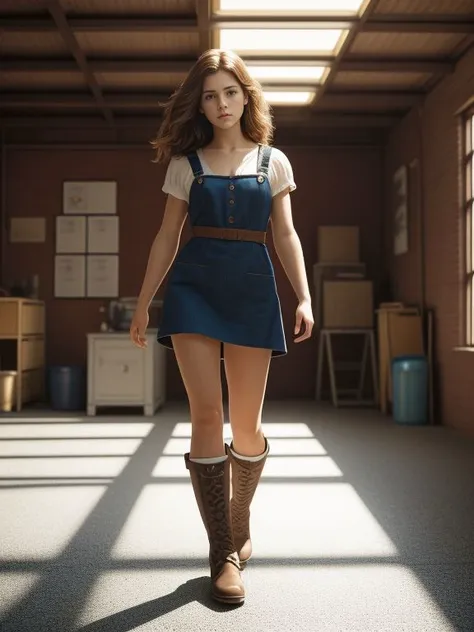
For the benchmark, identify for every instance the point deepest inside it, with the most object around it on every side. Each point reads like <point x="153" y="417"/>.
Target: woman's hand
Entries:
<point x="138" y="327"/>
<point x="304" y="316"/>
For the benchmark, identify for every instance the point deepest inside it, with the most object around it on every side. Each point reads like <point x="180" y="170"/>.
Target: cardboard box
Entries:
<point x="348" y="304"/>
<point x="338" y="244"/>
<point x="332" y="271"/>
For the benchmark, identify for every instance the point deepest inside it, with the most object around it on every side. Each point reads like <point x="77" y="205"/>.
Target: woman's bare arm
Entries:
<point x="163" y="250"/>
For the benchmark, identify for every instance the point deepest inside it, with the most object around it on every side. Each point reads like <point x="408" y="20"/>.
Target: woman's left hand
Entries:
<point x="304" y="316"/>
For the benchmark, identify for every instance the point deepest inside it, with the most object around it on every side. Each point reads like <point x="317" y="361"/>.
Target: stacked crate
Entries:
<point x="343" y="305"/>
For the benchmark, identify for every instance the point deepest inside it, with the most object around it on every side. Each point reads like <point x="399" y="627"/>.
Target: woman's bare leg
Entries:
<point x="199" y="362"/>
<point x="198" y="359"/>
<point x="247" y="373"/>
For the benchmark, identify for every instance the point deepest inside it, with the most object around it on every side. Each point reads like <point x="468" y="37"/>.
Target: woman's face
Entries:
<point x="222" y="99"/>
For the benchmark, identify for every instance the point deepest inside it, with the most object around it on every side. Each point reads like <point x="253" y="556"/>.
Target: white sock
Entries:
<point x="259" y="457"/>
<point x="209" y="459"/>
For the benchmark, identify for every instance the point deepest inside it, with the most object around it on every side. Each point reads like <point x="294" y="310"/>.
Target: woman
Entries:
<point x="221" y="300"/>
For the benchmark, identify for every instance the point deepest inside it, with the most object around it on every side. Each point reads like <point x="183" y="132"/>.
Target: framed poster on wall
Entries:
<point x="69" y="276"/>
<point x="102" y="276"/>
<point x="70" y="234"/>
<point x="103" y="234"/>
<point x="91" y="197"/>
<point x="400" y="208"/>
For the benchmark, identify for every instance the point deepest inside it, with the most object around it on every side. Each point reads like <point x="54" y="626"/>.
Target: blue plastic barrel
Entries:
<point x="67" y="387"/>
<point x="410" y="389"/>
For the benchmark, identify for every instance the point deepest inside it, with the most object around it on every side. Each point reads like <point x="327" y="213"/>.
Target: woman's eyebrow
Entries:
<point x="227" y="88"/>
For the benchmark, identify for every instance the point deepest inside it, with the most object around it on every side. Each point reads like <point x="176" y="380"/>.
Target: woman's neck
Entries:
<point x="230" y="140"/>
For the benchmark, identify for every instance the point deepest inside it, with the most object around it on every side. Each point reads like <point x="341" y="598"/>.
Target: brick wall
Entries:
<point x="335" y="186"/>
<point x="428" y="142"/>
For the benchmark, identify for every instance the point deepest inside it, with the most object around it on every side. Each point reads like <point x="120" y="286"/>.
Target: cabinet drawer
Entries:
<point x="32" y="318"/>
<point x="32" y="353"/>
<point x="118" y="371"/>
<point x="31" y="386"/>
<point x="21" y="317"/>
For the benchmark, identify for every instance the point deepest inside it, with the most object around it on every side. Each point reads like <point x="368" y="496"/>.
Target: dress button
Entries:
<point x="199" y="180"/>
<point x="231" y="220"/>
<point x="231" y="187"/>
<point x="231" y="202"/>
<point x="260" y="179"/>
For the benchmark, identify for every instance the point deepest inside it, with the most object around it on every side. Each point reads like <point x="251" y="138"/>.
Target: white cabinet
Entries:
<point x="120" y="374"/>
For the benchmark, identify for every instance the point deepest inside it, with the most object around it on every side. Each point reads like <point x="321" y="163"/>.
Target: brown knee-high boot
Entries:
<point x="245" y="478"/>
<point x="211" y="485"/>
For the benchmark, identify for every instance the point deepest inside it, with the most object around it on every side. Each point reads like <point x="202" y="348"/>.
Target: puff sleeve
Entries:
<point x="280" y="172"/>
<point x="176" y="179"/>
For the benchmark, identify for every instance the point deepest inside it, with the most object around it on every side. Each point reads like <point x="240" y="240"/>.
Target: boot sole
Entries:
<point x="228" y="600"/>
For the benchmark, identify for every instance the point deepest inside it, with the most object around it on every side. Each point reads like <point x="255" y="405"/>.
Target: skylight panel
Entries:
<point x="289" y="7"/>
<point x="289" y="41"/>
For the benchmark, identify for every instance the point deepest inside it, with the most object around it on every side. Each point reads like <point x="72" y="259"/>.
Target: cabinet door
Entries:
<point x="118" y="371"/>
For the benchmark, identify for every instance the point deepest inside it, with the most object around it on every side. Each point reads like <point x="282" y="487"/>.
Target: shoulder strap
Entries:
<point x="264" y="159"/>
<point x="195" y="164"/>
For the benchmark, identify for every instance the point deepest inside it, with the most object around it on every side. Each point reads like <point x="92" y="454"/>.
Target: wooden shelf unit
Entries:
<point x="22" y="346"/>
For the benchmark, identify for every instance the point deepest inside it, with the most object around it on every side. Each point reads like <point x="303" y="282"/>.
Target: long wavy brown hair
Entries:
<point x="184" y="129"/>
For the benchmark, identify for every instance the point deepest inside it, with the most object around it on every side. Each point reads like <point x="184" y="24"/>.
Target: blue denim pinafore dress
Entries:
<point x="225" y="288"/>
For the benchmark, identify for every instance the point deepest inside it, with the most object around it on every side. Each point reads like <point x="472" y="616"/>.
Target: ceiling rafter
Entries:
<point x="414" y="23"/>
<point x="284" y="118"/>
<point x="338" y="105"/>
<point x="105" y="24"/>
<point x="62" y="25"/>
<point x="203" y="12"/>
<point x="367" y="8"/>
<point x="150" y="100"/>
<point x="379" y="23"/>
<point x="363" y="64"/>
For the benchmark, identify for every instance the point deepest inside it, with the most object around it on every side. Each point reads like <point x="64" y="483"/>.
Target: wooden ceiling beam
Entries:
<point x="382" y="23"/>
<point x="369" y="99"/>
<point x="204" y="12"/>
<point x="282" y="119"/>
<point x="368" y="8"/>
<point x="350" y="64"/>
<point x="59" y="17"/>
<point x="100" y="65"/>
<point x="147" y="100"/>
<point x="423" y="23"/>
<point x="105" y="24"/>
<point x="79" y="100"/>
<point x="368" y="64"/>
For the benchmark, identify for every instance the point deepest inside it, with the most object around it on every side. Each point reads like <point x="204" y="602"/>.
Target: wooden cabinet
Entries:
<point x="22" y="346"/>
<point x="120" y="374"/>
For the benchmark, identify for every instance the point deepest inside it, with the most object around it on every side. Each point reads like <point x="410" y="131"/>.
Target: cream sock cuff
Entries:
<point x="209" y="460"/>
<point x="259" y="457"/>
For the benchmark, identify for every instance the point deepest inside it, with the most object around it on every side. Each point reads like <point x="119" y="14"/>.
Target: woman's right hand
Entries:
<point x="138" y="327"/>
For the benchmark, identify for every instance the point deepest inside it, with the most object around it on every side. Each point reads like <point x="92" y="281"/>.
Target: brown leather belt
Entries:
<point x="237" y="234"/>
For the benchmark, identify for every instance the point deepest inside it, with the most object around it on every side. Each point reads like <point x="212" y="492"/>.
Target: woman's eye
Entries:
<point x="231" y="92"/>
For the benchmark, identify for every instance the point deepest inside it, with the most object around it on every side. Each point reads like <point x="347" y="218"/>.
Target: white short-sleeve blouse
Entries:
<point x="179" y="175"/>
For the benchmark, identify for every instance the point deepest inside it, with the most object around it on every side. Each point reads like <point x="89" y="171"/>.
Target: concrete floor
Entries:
<point x="359" y="525"/>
